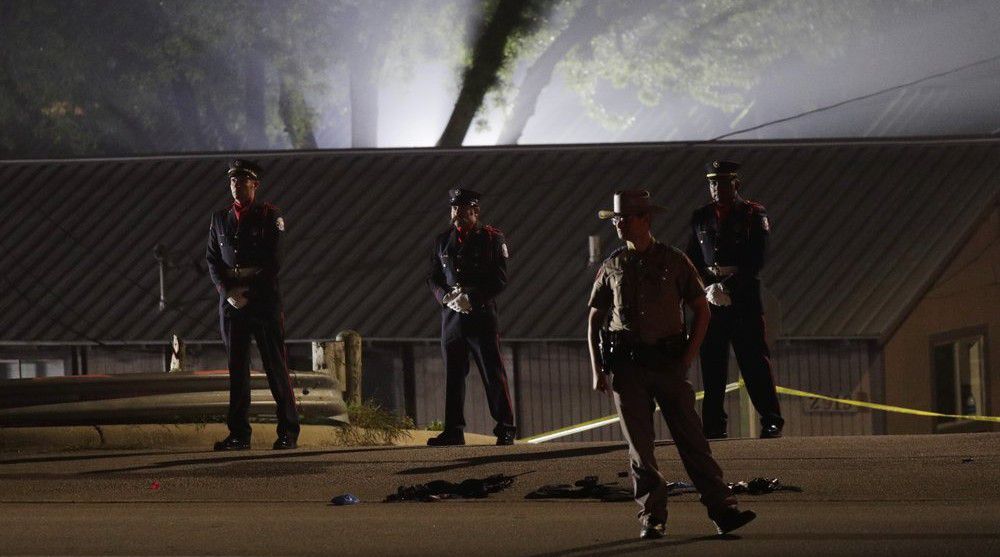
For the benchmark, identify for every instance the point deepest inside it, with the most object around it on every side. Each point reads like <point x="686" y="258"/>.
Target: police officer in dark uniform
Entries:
<point x="244" y="242"/>
<point x="728" y="245"/>
<point x="468" y="271"/>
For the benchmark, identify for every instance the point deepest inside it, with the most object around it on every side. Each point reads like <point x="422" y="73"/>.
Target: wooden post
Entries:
<point x="352" y="357"/>
<point x="319" y="356"/>
<point x="328" y="356"/>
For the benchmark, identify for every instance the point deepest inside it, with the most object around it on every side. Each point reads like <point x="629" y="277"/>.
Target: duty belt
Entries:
<point x="626" y="345"/>
<point x="242" y="273"/>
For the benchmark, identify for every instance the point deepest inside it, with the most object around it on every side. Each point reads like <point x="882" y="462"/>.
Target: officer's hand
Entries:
<point x="465" y="306"/>
<point x="457" y="304"/>
<point x="601" y="382"/>
<point x="717" y="296"/>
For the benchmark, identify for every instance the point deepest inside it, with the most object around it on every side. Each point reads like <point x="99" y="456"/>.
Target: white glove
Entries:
<point x="450" y="297"/>
<point x="456" y="300"/>
<point x="717" y="295"/>
<point x="463" y="303"/>
<point x="460" y="304"/>
<point x="237" y="297"/>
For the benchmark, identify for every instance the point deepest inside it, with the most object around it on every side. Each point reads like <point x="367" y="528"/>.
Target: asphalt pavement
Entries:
<point x="888" y="495"/>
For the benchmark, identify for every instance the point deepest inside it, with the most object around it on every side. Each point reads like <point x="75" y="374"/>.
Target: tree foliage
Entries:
<point x="709" y="53"/>
<point x="152" y="76"/>
<point x="134" y="76"/>
<point x="499" y="29"/>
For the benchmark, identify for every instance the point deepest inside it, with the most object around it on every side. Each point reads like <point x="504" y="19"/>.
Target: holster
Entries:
<point x="619" y="346"/>
<point x="605" y="342"/>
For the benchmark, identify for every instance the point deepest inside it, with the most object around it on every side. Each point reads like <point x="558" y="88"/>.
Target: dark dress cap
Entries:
<point x="459" y="196"/>
<point x="721" y="168"/>
<point x="243" y="167"/>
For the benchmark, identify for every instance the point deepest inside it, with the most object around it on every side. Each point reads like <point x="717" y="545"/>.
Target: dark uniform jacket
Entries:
<point x="253" y="241"/>
<point x="740" y="241"/>
<point x="478" y="264"/>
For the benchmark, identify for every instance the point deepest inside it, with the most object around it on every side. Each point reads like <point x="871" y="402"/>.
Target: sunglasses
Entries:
<point x="618" y="219"/>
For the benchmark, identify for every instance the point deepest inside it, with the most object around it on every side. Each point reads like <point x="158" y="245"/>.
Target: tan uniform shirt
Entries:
<point x="644" y="291"/>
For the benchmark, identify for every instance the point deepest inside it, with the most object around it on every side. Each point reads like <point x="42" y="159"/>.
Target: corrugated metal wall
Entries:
<point x="838" y="368"/>
<point x="113" y="360"/>
<point x="116" y="359"/>
<point x="550" y="385"/>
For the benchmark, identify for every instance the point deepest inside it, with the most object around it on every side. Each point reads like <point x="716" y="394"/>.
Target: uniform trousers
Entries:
<point x="745" y="330"/>
<point x="462" y="335"/>
<point x="266" y="326"/>
<point x="636" y="389"/>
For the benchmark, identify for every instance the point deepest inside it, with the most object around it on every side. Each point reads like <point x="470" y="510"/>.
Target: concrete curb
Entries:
<point x="177" y="437"/>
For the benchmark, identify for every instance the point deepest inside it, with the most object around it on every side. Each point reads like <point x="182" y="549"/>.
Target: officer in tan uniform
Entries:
<point x="640" y="352"/>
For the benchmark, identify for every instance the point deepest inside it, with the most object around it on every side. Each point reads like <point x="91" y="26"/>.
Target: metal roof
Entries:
<point x="860" y="230"/>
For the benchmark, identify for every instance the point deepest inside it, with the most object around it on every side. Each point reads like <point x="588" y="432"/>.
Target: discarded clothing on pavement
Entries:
<point x="587" y="488"/>
<point x="756" y="486"/>
<point x="437" y="490"/>
<point x="345" y="499"/>
<point x="760" y="486"/>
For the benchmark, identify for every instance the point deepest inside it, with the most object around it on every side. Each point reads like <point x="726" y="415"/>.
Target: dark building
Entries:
<point x="881" y="282"/>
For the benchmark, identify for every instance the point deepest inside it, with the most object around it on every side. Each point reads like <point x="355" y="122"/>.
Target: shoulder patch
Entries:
<point x="269" y="211"/>
<point x="492" y="230"/>
<point x="280" y="223"/>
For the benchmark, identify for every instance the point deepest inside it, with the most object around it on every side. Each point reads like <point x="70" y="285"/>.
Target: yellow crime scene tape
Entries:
<point x="887" y="407"/>
<point x="608" y="420"/>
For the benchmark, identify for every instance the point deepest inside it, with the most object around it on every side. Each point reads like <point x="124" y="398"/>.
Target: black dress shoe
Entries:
<point x="653" y="530"/>
<point x="770" y="432"/>
<point x="506" y="437"/>
<point x="731" y="518"/>
<point x="285" y="442"/>
<point x="447" y="438"/>
<point x="716" y="434"/>
<point x="232" y="444"/>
